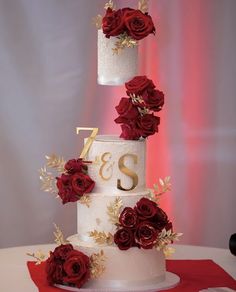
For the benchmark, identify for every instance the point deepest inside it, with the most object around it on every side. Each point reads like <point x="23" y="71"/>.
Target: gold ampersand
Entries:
<point x="106" y="158"/>
<point x="127" y="172"/>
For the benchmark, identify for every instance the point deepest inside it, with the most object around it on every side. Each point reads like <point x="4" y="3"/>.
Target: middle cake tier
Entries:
<point x="96" y="217"/>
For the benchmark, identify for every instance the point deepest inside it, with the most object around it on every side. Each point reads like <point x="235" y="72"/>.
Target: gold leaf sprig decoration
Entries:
<point x="159" y="189"/>
<point x="57" y="162"/>
<point x="39" y="256"/>
<point x="102" y="237"/>
<point x="97" y="266"/>
<point x="97" y="21"/>
<point x="113" y="210"/>
<point x="59" y="237"/>
<point x="166" y="237"/>
<point x="143" y="6"/>
<point x="85" y="200"/>
<point x="124" y="41"/>
<point x="48" y="182"/>
<point x="110" y="4"/>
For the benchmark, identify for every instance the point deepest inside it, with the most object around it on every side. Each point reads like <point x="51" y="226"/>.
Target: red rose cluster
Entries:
<point x="141" y="225"/>
<point x="67" y="266"/>
<point x="133" y="22"/>
<point x="75" y="182"/>
<point x="136" y="111"/>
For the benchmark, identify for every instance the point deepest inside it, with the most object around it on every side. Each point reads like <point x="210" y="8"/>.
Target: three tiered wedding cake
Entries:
<point x="122" y="233"/>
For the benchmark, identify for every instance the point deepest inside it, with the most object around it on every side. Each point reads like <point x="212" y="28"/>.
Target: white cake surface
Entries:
<point x="110" y="151"/>
<point x="125" y="268"/>
<point x="96" y="218"/>
<point x="115" y="69"/>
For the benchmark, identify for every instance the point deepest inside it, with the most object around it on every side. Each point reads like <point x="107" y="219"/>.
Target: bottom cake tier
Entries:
<point x="129" y="268"/>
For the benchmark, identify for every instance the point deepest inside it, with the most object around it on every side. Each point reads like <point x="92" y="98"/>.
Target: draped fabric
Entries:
<point x="48" y="87"/>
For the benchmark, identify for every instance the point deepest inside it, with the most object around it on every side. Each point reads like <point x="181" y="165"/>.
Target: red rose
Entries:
<point x="161" y="220"/>
<point x="54" y="264"/>
<point x="124" y="238"/>
<point x="113" y="23"/>
<point x="77" y="268"/>
<point x="129" y="132"/>
<point x="82" y="183"/>
<point x="146" y="209"/>
<point x="169" y="226"/>
<point x="148" y="125"/>
<point x="65" y="189"/>
<point x="146" y="235"/>
<point x="62" y="250"/>
<point x="138" y="84"/>
<point x="126" y="109"/>
<point x="75" y="165"/>
<point x="138" y="24"/>
<point x="54" y="271"/>
<point x="128" y="218"/>
<point x="154" y="99"/>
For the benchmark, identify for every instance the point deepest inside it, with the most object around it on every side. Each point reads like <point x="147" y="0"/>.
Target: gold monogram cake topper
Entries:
<point x="128" y="172"/>
<point x="107" y="166"/>
<point x="89" y="141"/>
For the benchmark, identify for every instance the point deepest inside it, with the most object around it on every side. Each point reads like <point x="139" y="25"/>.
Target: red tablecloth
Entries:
<point x="194" y="274"/>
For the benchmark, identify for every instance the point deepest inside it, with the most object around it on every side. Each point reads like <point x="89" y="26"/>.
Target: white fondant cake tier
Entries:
<point x="115" y="69"/>
<point x="95" y="216"/>
<point x="127" y="268"/>
<point x="120" y="166"/>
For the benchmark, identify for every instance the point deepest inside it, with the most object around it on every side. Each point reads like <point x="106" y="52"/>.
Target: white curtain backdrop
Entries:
<point x="48" y="87"/>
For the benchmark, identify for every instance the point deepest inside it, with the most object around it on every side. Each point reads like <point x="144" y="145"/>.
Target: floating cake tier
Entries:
<point x="115" y="69"/>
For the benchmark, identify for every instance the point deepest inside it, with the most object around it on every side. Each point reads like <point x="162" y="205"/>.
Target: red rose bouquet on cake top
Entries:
<point x="136" y="112"/>
<point x="127" y="24"/>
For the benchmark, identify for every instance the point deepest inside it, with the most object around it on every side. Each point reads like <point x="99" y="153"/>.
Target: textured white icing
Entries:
<point x="115" y="69"/>
<point x="117" y="147"/>
<point x="96" y="218"/>
<point x="134" y="266"/>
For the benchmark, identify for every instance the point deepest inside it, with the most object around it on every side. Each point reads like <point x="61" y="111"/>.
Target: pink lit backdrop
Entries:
<point x="48" y="87"/>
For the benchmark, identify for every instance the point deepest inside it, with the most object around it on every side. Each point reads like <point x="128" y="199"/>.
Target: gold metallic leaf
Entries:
<point x="57" y="162"/>
<point x="168" y="251"/>
<point x="124" y="41"/>
<point x="159" y="189"/>
<point x="97" y="266"/>
<point x="48" y="181"/>
<point x="143" y="6"/>
<point x="166" y="237"/>
<point x="59" y="237"/>
<point x="113" y="210"/>
<point x="101" y="237"/>
<point x="85" y="200"/>
<point x="97" y="21"/>
<point x="39" y="256"/>
<point x="110" y="4"/>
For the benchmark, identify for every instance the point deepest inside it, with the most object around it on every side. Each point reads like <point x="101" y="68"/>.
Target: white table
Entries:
<point x="14" y="274"/>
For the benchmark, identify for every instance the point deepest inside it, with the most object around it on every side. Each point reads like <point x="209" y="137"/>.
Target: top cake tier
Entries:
<point x="118" y="166"/>
<point x="115" y="69"/>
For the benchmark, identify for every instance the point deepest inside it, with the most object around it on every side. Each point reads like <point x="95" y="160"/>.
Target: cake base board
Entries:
<point x="170" y="281"/>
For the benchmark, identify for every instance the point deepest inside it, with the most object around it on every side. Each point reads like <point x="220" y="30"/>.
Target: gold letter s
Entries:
<point x="127" y="172"/>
